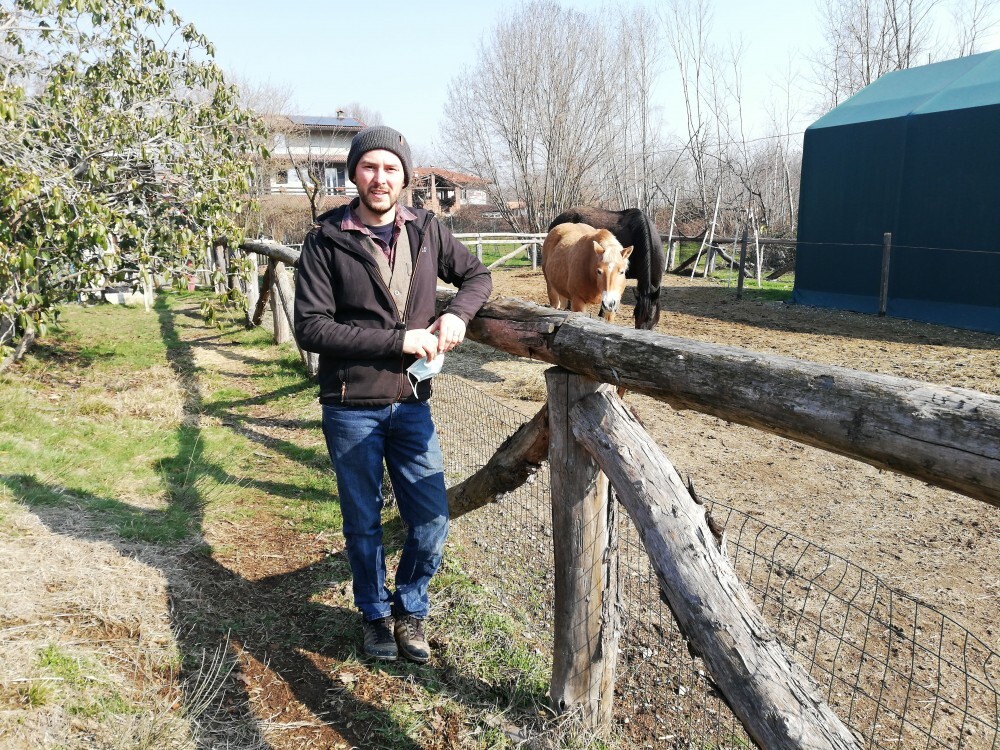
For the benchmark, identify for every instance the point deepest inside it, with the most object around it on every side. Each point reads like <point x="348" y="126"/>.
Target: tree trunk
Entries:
<point x="253" y="290"/>
<point x="778" y="703"/>
<point x="265" y="296"/>
<point x="27" y="339"/>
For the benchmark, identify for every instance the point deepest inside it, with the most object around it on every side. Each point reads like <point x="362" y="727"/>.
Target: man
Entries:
<point x="365" y="301"/>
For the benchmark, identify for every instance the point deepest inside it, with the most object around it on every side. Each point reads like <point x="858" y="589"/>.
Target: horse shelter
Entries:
<point x="898" y="207"/>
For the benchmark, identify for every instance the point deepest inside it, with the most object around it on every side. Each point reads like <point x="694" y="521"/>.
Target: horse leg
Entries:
<point x="556" y="300"/>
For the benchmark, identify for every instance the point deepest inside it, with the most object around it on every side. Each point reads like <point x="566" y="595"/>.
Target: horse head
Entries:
<point x="611" y="261"/>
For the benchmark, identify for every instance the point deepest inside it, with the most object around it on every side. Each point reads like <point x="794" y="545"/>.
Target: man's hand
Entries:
<point x="450" y="330"/>
<point x="422" y="342"/>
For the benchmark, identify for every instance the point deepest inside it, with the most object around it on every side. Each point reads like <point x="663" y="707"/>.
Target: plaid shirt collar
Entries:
<point x="351" y="222"/>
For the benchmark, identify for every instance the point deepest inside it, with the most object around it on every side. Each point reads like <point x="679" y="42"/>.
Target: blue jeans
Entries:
<point x="359" y="439"/>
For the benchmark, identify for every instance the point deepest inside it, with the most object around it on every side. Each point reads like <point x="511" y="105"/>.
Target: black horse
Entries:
<point x="630" y="227"/>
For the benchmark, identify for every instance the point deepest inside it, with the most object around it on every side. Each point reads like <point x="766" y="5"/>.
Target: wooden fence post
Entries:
<point x="584" y="532"/>
<point x="743" y="265"/>
<point x="282" y="330"/>
<point x="479" y="247"/>
<point x="883" y="295"/>
<point x="777" y="701"/>
<point x="252" y="286"/>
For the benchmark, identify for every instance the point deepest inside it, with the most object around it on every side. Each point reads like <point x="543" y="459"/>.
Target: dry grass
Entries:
<point x="85" y="639"/>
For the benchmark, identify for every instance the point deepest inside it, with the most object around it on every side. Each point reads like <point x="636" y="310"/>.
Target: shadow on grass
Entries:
<point x="270" y="626"/>
<point x="271" y="622"/>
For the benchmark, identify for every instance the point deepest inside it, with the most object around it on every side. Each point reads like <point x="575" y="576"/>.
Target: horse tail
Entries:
<point x="648" y="275"/>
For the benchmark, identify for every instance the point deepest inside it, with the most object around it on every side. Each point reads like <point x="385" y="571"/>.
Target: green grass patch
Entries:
<point x="769" y="291"/>
<point x="485" y="644"/>
<point x="60" y="664"/>
<point x="779" y="290"/>
<point x="492" y="251"/>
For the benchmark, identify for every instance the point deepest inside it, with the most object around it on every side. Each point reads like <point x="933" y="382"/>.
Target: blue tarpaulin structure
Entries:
<point x="916" y="154"/>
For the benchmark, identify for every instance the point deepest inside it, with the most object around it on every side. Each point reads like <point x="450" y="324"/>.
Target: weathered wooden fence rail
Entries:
<point x="945" y="436"/>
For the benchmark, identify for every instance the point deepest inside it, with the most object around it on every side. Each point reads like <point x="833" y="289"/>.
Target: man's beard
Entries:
<point x="378" y="210"/>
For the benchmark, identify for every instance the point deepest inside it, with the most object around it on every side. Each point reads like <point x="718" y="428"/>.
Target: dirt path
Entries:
<point x="283" y="593"/>
<point x="940" y="547"/>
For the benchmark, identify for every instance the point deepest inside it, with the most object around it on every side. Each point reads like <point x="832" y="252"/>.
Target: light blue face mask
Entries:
<point x="422" y="370"/>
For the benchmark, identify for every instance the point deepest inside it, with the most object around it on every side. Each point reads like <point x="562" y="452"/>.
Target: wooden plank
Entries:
<point x="778" y="703"/>
<point x="283" y="285"/>
<point x="948" y="437"/>
<point x="584" y="527"/>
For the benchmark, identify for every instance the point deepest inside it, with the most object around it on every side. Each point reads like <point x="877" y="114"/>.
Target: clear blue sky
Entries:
<point x="398" y="57"/>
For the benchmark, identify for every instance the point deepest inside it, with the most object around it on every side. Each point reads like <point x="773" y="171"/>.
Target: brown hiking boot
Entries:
<point x="379" y="640"/>
<point x="410" y="637"/>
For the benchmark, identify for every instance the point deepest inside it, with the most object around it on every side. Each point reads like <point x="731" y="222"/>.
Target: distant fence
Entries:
<point x="898" y="672"/>
<point x="485" y="246"/>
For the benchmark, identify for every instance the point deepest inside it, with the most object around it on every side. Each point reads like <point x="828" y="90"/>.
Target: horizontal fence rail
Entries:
<point x="946" y="436"/>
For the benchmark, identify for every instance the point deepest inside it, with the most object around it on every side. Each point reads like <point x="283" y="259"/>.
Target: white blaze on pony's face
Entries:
<point x="611" y="266"/>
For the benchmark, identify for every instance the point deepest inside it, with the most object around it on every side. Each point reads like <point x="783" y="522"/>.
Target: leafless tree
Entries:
<point x="867" y="38"/>
<point x="973" y="19"/>
<point x="687" y="26"/>
<point x="632" y="127"/>
<point x="529" y="116"/>
<point x="362" y="113"/>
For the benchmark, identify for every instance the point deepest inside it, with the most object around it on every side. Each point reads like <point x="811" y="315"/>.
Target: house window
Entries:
<point x="335" y="180"/>
<point x="282" y="178"/>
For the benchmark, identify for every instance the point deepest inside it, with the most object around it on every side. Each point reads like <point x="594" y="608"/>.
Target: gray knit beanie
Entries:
<point x="379" y="137"/>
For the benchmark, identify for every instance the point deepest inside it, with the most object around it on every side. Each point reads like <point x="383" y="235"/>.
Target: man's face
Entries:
<point x="379" y="177"/>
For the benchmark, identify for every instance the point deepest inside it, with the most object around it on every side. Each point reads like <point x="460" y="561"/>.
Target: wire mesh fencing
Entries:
<point x="898" y="672"/>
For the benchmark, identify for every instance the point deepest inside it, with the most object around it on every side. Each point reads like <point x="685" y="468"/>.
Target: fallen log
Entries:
<point x="778" y="703"/>
<point x="511" y="466"/>
<point x="948" y="437"/>
<point x="779" y="272"/>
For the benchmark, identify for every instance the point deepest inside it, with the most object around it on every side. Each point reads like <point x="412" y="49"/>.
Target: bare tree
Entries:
<point x="687" y="25"/>
<point x="867" y="38"/>
<point x="528" y="118"/>
<point x="973" y="19"/>
<point x="362" y="113"/>
<point x="632" y="130"/>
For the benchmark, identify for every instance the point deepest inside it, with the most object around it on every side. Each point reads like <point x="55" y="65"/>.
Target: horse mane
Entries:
<point x="630" y="227"/>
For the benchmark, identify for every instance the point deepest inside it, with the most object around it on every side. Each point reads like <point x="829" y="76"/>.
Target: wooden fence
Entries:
<point x="946" y="436"/>
<point x="530" y="244"/>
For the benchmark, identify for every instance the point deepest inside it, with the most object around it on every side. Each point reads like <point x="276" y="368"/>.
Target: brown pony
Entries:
<point x="584" y="265"/>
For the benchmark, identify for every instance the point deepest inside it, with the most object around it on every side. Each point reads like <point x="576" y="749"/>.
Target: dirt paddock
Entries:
<point x="939" y="547"/>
